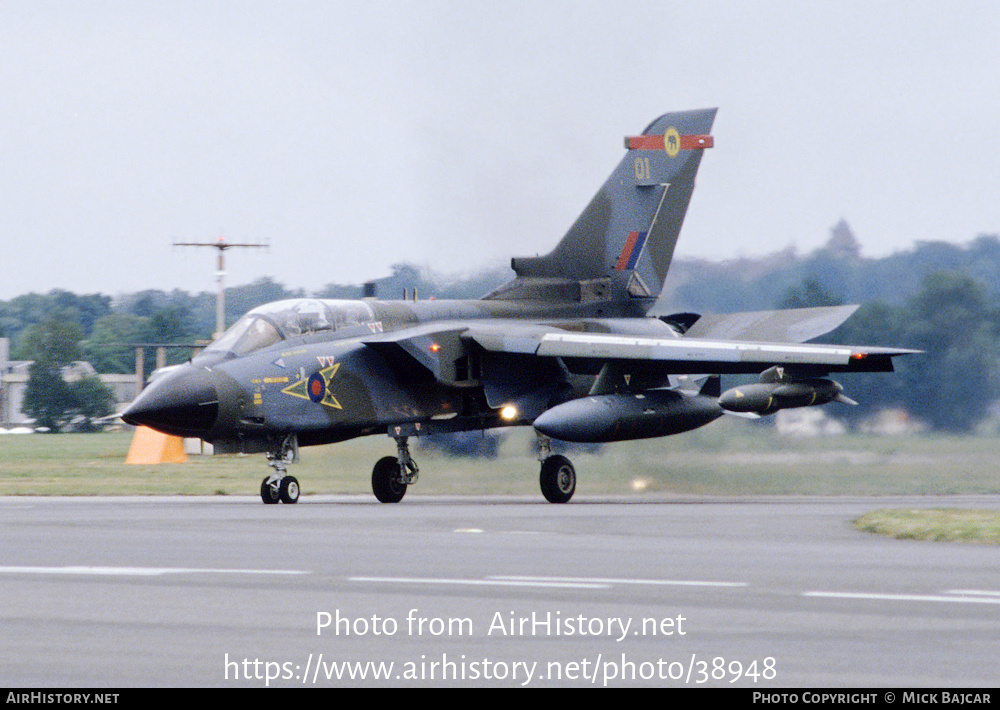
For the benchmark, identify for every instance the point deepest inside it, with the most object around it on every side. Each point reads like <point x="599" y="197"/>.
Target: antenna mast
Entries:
<point x="220" y="300"/>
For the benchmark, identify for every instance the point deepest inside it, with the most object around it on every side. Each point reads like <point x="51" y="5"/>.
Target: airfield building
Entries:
<point x="14" y="380"/>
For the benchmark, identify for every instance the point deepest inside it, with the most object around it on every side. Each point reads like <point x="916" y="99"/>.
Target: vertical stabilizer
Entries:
<point x="625" y="237"/>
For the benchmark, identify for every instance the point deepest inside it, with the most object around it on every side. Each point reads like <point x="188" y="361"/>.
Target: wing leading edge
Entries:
<point x="695" y="355"/>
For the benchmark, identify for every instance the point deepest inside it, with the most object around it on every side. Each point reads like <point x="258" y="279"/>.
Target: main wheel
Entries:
<point x="385" y="481"/>
<point x="557" y="479"/>
<point x="268" y="493"/>
<point x="288" y="490"/>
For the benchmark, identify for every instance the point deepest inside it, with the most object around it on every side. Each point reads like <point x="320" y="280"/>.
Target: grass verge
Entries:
<point x="938" y="524"/>
<point x="727" y="458"/>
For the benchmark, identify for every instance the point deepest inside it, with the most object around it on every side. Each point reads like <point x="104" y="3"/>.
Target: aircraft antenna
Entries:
<point x="220" y="301"/>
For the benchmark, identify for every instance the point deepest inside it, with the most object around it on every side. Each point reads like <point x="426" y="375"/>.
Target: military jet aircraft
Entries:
<point x="566" y="347"/>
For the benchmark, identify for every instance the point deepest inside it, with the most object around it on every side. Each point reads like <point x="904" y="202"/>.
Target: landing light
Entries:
<point x="508" y="413"/>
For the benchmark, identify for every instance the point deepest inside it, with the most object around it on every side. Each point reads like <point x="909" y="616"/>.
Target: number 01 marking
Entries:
<point x="642" y="171"/>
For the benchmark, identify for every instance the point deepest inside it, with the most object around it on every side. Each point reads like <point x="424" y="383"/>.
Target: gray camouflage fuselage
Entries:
<point x="565" y="346"/>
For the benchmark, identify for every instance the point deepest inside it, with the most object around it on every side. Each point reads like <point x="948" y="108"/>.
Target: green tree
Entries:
<point x="91" y="399"/>
<point x="47" y="397"/>
<point x="108" y="348"/>
<point x="810" y="294"/>
<point x="51" y="345"/>
<point x="55" y="341"/>
<point x="952" y="384"/>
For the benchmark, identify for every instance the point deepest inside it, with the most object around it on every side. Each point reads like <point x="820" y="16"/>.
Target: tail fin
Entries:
<point x="620" y="247"/>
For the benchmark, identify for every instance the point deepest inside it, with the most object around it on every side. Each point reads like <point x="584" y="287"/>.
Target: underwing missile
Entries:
<point x="768" y="397"/>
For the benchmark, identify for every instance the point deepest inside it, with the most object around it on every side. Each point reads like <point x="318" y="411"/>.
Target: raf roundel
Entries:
<point x="316" y="387"/>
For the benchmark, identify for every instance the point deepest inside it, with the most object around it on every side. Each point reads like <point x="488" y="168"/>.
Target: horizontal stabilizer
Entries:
<point x="792" y="325"/>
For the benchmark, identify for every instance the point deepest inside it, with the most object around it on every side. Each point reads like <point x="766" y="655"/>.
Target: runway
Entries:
<point x="492" y="591"/>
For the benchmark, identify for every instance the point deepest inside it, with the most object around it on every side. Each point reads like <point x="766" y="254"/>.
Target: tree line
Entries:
<point x="943" y="299"/>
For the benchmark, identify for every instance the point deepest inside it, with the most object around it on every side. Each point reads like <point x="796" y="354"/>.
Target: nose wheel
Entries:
<point x="283" y="490"/>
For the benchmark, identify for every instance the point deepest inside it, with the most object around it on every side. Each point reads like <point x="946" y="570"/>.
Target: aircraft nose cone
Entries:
<point x="184" y="402"/>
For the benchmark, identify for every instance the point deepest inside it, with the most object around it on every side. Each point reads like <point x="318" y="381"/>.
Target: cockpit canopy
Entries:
<point x="282" y="320"/>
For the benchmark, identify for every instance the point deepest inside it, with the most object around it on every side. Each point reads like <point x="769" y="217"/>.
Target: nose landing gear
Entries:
<point x="279" y="486"/>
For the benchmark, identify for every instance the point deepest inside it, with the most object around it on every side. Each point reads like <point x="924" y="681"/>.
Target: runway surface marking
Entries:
<point x="975" y="592"/>
<point x="481" y="582"/>
<point x="138" y="571"/>
<point x="955" y="595"/>
<point x="614" y="580"/>
<point x="561" y="582"/>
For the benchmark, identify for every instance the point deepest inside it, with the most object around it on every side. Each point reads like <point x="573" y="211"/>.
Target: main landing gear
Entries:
<point x="392" y="474"/>
<point x="558" y="477"/>
<point x="279" y="486"/>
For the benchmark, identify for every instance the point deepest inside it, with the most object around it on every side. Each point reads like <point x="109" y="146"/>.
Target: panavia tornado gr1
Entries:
<point x="565" y="347"/>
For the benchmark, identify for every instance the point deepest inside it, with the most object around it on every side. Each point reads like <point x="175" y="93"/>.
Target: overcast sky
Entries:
<point x="354" y="135"/>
